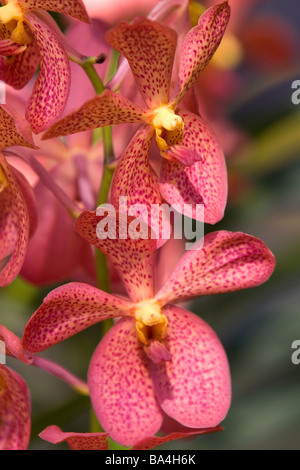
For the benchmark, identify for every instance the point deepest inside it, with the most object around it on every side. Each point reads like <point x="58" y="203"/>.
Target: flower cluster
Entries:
<point x="160" y="372"/>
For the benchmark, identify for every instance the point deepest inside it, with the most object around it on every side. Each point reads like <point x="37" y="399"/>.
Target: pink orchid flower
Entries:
<point x="193" y="169"/>
<point x="158" y="359"/>
<point x="29" y="37"/>
<point x="18" y="216"/>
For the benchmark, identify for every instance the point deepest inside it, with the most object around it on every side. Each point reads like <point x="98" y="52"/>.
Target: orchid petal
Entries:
<point x="149" y="48"/>
<point x="135" y="183"/>
<point x="9" y="48"/>
<point x="13" y="130"/>
<point x="52" y="86"/>
<point x="121" y="388"/>
<point x="30" y="201"/>
<point x="132" y="257"/>
<point x="14" y="226"/>
<point x="153" y="441"/>
<point x="15" y="411"/>
<point x="52" y="256"/>
<point x="107" y="109"/>
<point x="73" y="8"/>
<point x="13" y="345"/>
<point x="18" y="70"/>
<point x="205" y="182"/>
<point x="199" y="46"/>
<point x="194" y="388"/>
<point x="221" y="262"/>
<point x="76" y="441"/>
<point x="68" y="310"/>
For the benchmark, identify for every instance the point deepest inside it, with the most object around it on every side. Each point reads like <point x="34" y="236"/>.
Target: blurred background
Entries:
<point x="246" y="94"/>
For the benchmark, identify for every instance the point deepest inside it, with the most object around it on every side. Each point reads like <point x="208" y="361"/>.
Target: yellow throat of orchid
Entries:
<point x="168" y="127"/>
<point x="151" y="324"/>
<point x="4" y="183"/>
<point x="12" y="16"/>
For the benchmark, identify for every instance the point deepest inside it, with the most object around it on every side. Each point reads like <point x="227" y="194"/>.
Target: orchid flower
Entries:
<point x="29" y="38"/>
<point x="193" y="169"/>
<point x="158" y="359"/>
<point x="18" y="215"/>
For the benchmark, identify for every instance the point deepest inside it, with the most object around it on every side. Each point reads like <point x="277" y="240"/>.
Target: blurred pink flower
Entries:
<point x="141" y="370"/>
<point x="29" y="37"/>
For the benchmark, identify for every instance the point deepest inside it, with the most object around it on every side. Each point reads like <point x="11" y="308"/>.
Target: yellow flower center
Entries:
<point x="12" y="16"/>
<point x="4" y="183"/>
<point x="151" y="324"/>
<point x="10" y="12"/>
<point x="165" y="119"/>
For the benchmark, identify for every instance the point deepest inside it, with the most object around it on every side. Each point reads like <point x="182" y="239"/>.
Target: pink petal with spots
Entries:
<point x="104" y="110"/>
<point x="9" y="48"/>
<point x="113" y="234"/>
<point x="222" y="262"/>
<point x="13" y="345"/>
<point x="153" y="441"/>
<point x="13" y="129"/>
<point x="205" y="182"/>
<point x="14" y="226"/>
<point x="134" y="180"/>
<point x="68" y="310"/>
<point x="15" y="409"/>
<point x="18" y="70"/>
<point x="52" y="86"/>
<point x="199" y="46"/>
<point x="30" y="201"/>
<point x="75" y="440"/>
<point x="195" y="387"/>
<point x="73" y="8"/>
<point x="149" y="48"/>
<point x="121" y="388"/>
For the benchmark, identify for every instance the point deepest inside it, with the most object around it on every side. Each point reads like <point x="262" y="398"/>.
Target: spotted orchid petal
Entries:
<point x="15" y="409"/>
<point x="121" y="388"/>
<point x="18" y="70"/>
<point x="149" y="48"/>
<point x="13" y="345"/>
<point x="107" y="109"/>
<point x="221" y="262"/>
<point x="9" y="48"/>
<point x="52" y="86"/>
<point x="19" y="66"/>
<point x="199" y="45"/>
<point x="194" y="388"/>
<point x="13" y="130"/>
<point x="132" y="257"/>
<point x="205" y="181"/>
<point x="73" y="8"/>
<point x="68" y="310"/>
<point x="153" y="441"/>
<point x="135" y="184"/>
<point x="14" y="224"/>
<point x="76" y="441"/>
